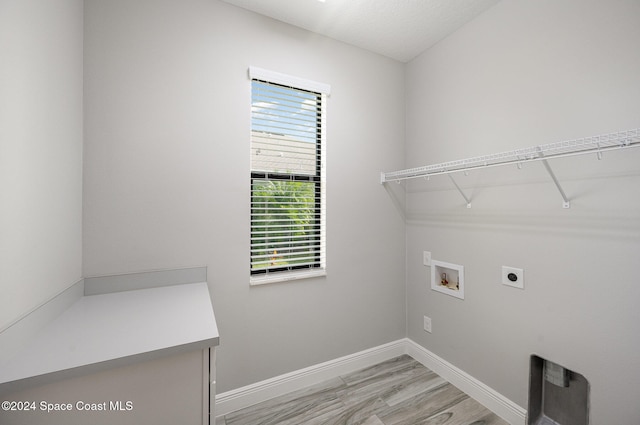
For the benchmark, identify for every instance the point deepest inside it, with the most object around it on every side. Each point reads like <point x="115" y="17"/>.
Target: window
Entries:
<point x="287" y="177"/>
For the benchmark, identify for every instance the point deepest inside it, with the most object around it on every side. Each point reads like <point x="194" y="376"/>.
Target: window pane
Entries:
<point x="287" y="193"/>
<point x="285" y="126"/>
<point x="285" y="224"/>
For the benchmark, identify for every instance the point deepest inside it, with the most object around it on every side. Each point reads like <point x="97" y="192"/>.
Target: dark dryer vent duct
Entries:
<point x="557" y="395"/>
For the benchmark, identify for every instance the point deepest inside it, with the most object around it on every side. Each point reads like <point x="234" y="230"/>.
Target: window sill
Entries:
<point x="286" y="276"/>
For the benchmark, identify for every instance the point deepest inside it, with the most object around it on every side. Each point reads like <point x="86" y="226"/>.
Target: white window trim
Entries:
<point x="288" y="80"/>
<point x="325" y="90"/>
<point x="256" y="280"/>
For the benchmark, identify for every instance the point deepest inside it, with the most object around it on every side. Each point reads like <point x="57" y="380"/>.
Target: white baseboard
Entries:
<point x="249" y="395"/>
<point x="488" y="397"/>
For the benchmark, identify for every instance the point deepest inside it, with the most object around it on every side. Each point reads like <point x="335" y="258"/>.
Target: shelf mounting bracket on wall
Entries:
<point x="588" y="145"/>
<point x="566" y="203"/>
<point x="466" y="198"/>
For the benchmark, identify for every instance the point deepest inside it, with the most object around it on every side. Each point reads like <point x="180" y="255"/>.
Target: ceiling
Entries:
<point x="399" y="29"/>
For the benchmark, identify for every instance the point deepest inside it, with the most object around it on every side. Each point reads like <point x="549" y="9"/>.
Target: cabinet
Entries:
<point x="139" y="356"/>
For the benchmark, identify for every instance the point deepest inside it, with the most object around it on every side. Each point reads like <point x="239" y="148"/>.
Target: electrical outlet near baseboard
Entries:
<point x="427" y="324"/>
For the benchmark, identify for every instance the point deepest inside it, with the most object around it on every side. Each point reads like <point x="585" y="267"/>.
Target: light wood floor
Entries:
<point x="398" y="391"/>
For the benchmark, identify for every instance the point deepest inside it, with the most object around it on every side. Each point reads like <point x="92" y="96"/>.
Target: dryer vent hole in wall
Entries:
<point x="557" y="395"/>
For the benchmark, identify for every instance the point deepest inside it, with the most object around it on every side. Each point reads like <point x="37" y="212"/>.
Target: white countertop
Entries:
<point x="102" y="331"/>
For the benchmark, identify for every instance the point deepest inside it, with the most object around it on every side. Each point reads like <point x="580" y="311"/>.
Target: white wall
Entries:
<point x="527" y="73"/>
<point x="40" y="152"/>
<point x="167" y="104"/>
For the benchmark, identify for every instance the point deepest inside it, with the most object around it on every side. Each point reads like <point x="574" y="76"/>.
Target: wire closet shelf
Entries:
<point x="588" y="145"/>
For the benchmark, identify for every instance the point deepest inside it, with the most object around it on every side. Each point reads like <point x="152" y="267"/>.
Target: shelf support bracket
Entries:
<point x="566" y="203"/>
<point x="466" y="198"/>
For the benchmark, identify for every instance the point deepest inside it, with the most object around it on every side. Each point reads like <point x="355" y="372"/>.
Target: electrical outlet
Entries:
<point x="426" y="258"/>
<point x="427" y="324"/>
<point x="513" y="276"/>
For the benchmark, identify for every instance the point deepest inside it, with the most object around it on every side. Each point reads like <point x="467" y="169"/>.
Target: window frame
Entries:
<point x="317" y="267"/>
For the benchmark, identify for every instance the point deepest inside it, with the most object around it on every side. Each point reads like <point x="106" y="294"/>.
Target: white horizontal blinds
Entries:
<point x="287" y="208"/>
<point x="284" y="129"/>
<point x="285" y="225"/>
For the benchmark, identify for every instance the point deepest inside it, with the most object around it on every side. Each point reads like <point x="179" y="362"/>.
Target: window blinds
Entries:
<point x="287" y="190"/>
